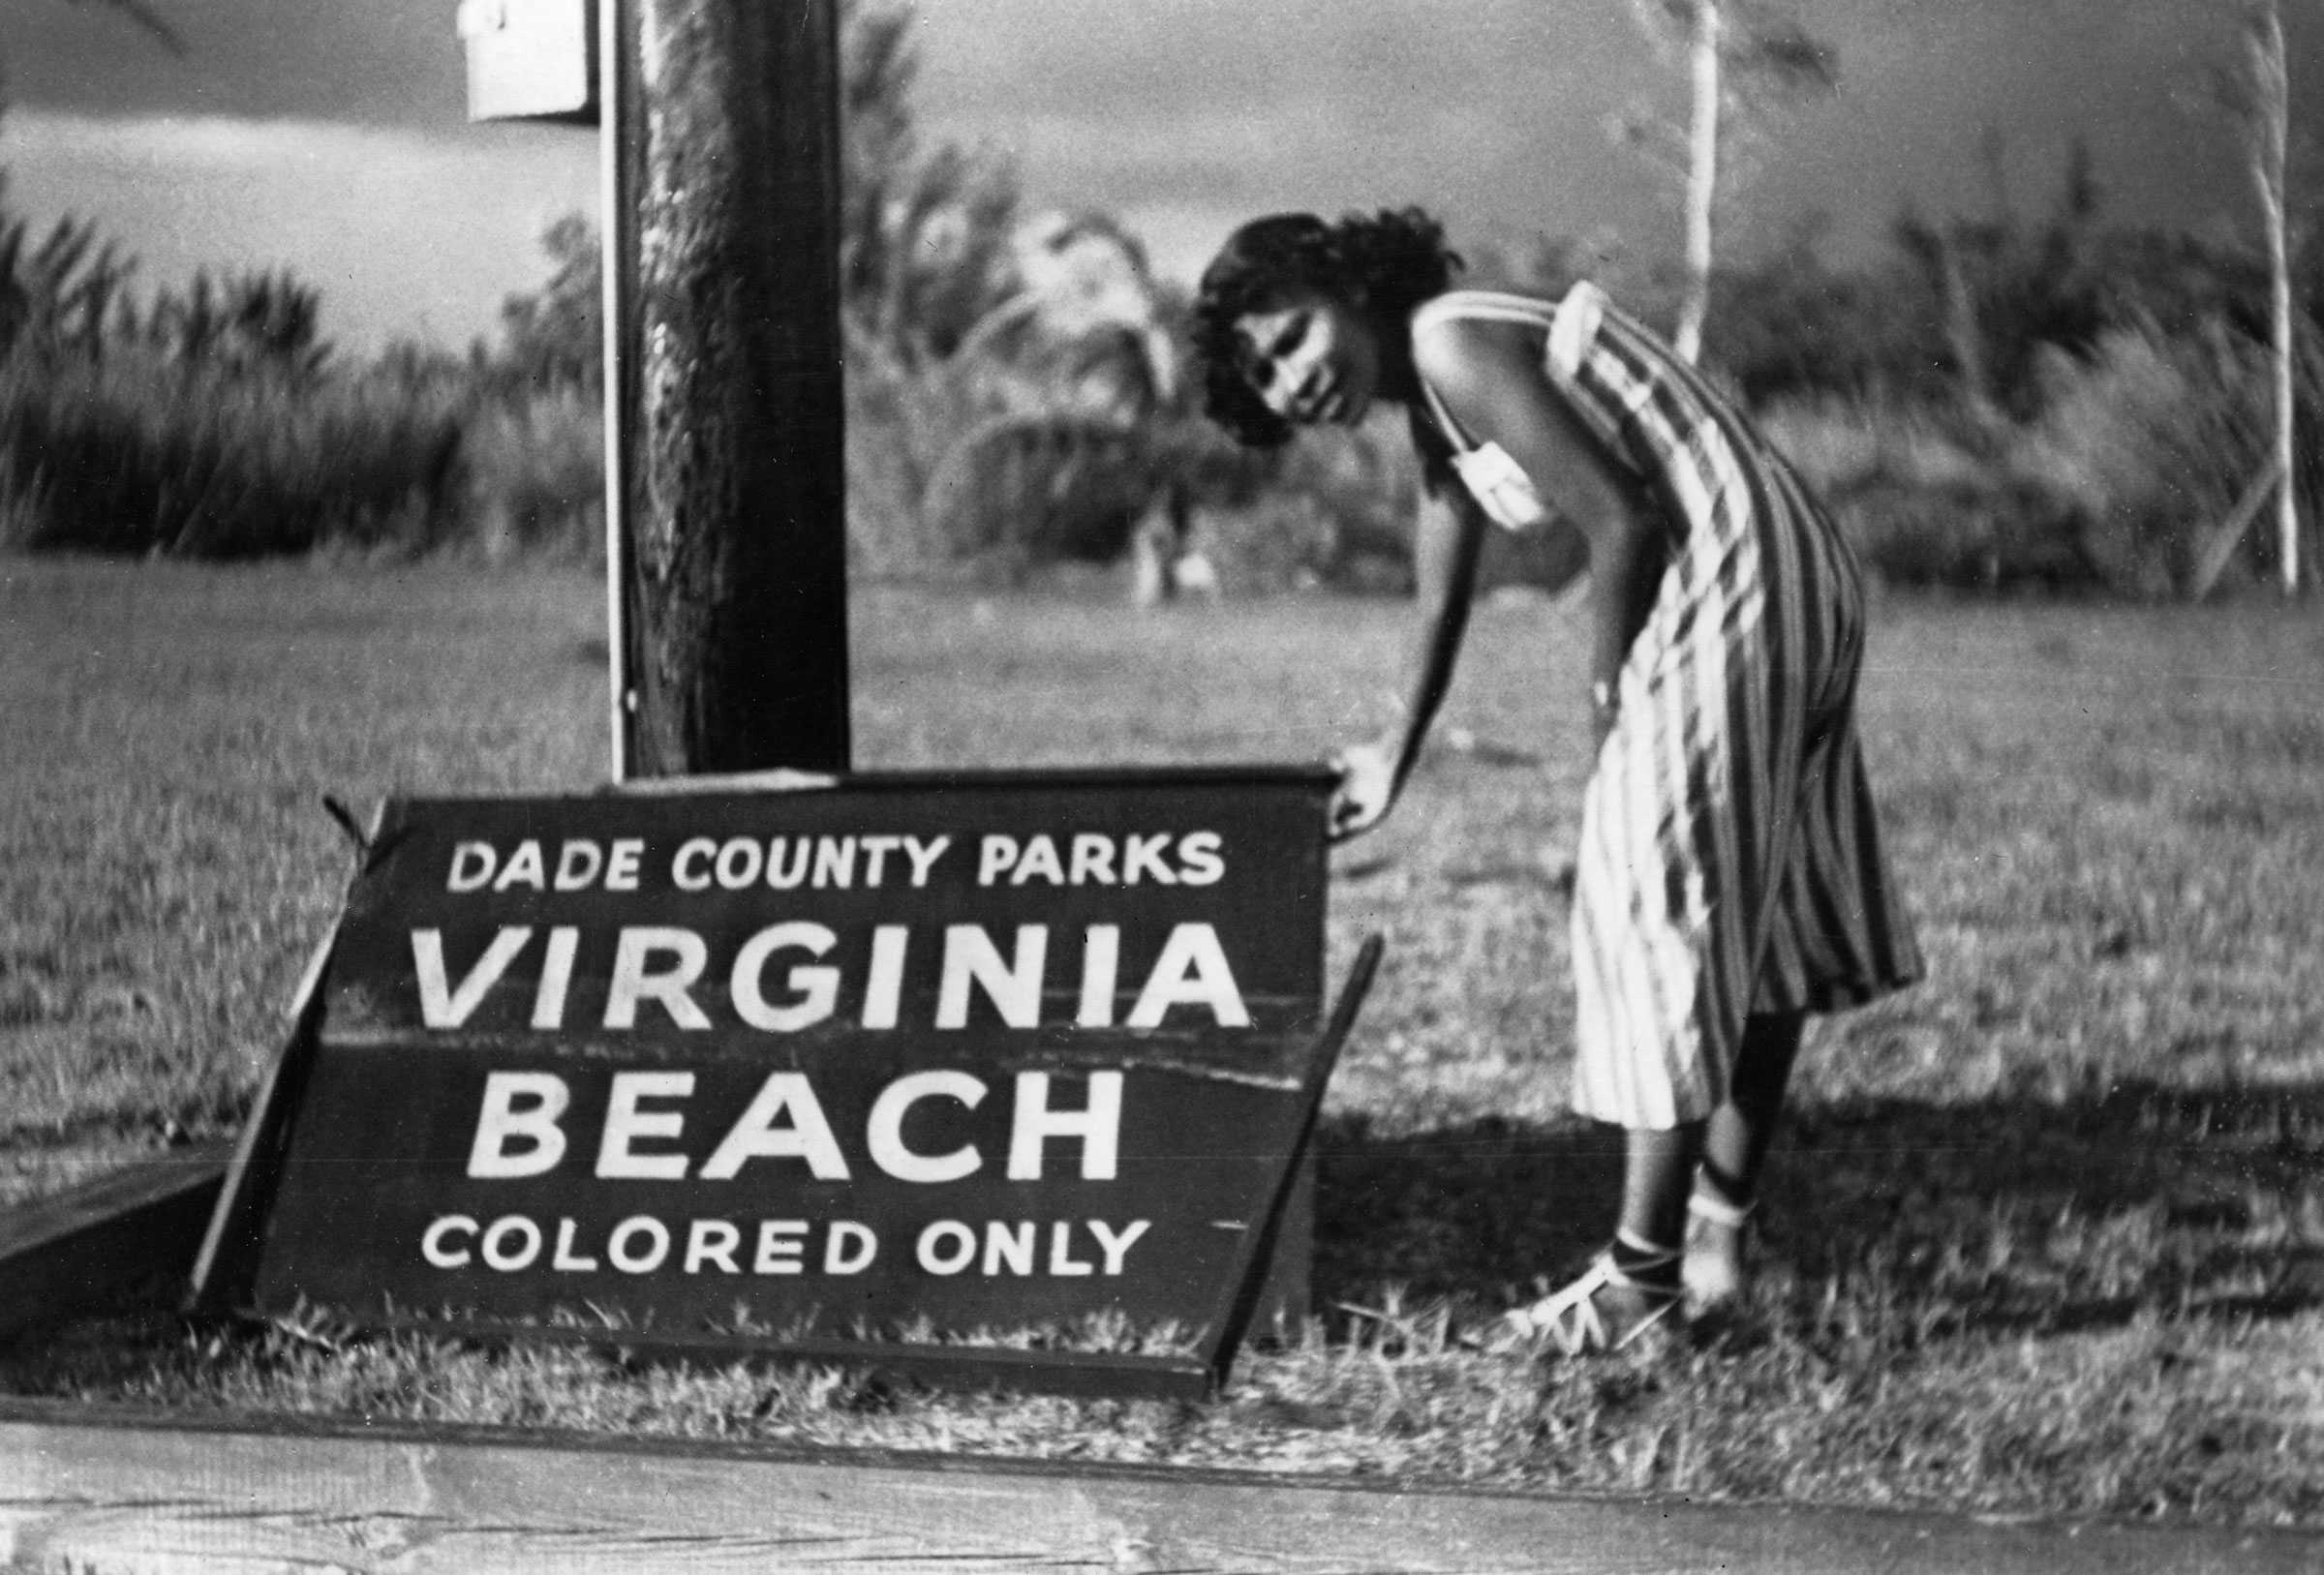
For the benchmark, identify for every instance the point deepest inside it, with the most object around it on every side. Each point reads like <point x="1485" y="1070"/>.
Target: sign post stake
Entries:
<point x="1247" y="1286"/>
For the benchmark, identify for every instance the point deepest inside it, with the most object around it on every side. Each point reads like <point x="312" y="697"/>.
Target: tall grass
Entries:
<point x="2129" y="479"/>
<point x="1927" y="494"/>
<point x="132" y="452"/>
<point x="174" y="435"/>
<point x="534" y="475"/>
<point x="2149" y="442"/>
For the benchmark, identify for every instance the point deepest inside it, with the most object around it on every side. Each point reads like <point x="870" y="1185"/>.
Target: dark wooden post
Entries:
<point x="724" y="229"/>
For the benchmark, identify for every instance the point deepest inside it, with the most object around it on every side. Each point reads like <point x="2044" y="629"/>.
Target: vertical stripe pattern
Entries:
<point x="1729" y="860"/>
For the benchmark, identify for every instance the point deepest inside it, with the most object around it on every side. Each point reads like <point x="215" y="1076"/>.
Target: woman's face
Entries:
<point x="1311" y="359"/>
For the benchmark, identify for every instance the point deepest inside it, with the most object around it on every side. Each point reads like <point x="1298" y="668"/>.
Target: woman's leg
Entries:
<point x="1658" y="1172"/>
<point x="1736" y="1142"/>
<point x="1734" y="1152"/>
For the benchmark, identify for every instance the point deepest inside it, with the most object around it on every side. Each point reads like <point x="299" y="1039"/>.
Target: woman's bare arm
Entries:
<point x="1491" y="376"/>
<point x="1447" y="537"/>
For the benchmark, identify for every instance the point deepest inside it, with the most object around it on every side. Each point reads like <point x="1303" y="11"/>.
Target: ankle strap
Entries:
<point x="1717" y="1210"/>
<point x="1641" y="1254"/>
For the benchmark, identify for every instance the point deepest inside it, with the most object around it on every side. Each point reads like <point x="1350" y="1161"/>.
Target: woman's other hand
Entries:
<point x="1367" y="786"/>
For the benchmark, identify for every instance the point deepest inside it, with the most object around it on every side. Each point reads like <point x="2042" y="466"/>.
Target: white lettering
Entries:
<point x="875" y="856"/>
<point x="849" y="1249"/>
<point x="499" y="1255"/>
<point x="657" y="1236"/>
<point x="534" y="1123"/>
<point x="1060" y="1238"/>
<point x="632" y="982"/>
<point x="1117" y="1247"/>
<point x="693" y="850"/>
<point x="525" y="867"/>
<point x="1013" y="987"/>
<point x="711" y="1241"/>
<point x="819" y="988"/>
<point x="555" y="976"/>
<point x="784" y="877"/>
<point x="1099" y="1127"/>
<point x="994" y="858"/>
<point x="1009" y="1246"/>
<point x="621" y="870"/>
<point x="1092" y="860"/>
<point x="1191" y="971"/>
<point x="565" y="1260"/>
<point x="835" y="861"/>
<point x="1101" y="971"/>
<point x="1142" y="856"/>
<point x="779" y="1246"/>
<point x="946" y="1247"/>
<point x="432" y="1244"/>
<point x="1199" y="861"/>
<point x="756" y="1136"/>
<point x="739" y="862"/>
<point x="924" y="856"/>
<point x="579" y="863"/>
<point x="473" y="865"/>
<point x="625" y="1123"/>
<point x="1040" y="862"/>
<point x="884" y="1129"/>
<point x="884" y="990"/>
<point x="440" y="1005"/>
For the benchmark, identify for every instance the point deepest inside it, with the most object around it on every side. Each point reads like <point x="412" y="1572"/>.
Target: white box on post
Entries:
<point x="530" y="59"/>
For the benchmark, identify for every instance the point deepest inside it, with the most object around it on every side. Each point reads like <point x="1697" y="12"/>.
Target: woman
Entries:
<point x="1729" y="879"/>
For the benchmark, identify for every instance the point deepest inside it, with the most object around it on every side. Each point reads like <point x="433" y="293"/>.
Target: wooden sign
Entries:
<point x="1022" y="1055"/>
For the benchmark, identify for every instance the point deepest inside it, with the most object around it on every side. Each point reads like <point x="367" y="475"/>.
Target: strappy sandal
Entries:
<point x="1712" y="1269"/>
<point x="1605" y="1310"/>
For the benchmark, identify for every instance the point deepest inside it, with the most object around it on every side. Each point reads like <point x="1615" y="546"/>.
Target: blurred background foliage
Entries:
<point x="2047" y="399"/>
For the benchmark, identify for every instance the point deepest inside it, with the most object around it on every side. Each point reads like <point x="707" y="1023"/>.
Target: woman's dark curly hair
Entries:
<point x="1385" y="266"/>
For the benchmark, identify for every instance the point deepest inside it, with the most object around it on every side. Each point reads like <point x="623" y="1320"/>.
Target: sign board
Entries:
<point x="530" y="59"/>
<point x="1010" y="1052"/>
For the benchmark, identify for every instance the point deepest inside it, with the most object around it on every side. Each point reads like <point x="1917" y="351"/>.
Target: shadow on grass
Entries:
<point x="2000" y="1216"/>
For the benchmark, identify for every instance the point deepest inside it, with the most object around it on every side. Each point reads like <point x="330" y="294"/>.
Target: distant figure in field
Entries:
<point x="1729" y="879"/>
<point x="1107" y="371"/>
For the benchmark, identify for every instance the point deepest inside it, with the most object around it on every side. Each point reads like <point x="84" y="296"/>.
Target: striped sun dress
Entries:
<point x="1729" y="861"/>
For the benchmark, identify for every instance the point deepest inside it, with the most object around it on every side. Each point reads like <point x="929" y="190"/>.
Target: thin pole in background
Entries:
<point x="618" y="211"/>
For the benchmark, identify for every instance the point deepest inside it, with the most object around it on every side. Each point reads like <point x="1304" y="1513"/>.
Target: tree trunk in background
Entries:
<point x="1703" y="179"/>
<point x="1964" y="333"/>
<point x="1735" y="53"/>
<point x="2271" y="114"/>
<point x="733" y="466"/>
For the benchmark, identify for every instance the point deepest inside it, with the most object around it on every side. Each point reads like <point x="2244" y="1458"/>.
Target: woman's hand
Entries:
<point x="1368" y="787"/>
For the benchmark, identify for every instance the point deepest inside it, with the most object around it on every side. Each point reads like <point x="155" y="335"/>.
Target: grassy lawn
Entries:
<point x="2047" y="1234"/>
